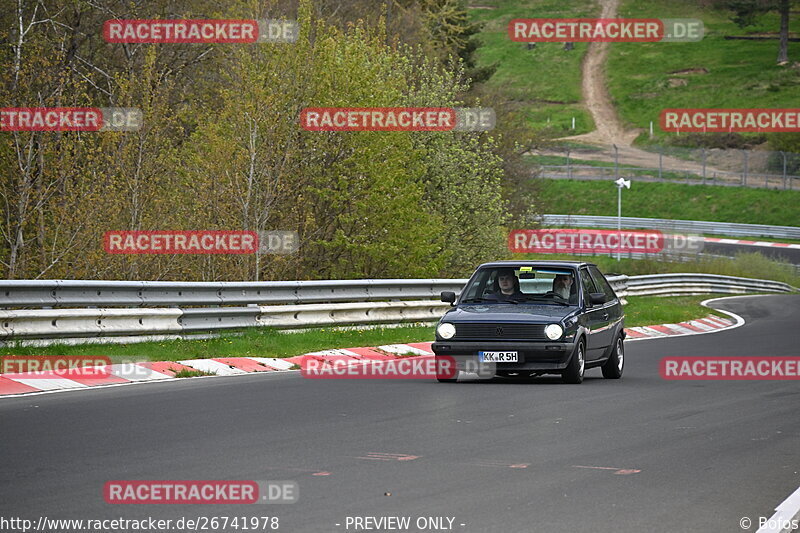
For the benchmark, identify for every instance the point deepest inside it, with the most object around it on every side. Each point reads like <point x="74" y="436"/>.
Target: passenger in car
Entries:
<point x="562" y="286"/>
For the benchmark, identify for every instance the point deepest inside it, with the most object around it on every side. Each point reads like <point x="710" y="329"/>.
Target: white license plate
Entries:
<point x="498" y="357"/>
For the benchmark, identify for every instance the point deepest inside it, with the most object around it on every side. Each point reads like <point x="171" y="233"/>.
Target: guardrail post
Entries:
<point x="704" y="165"/>
<point x="660" y="165"/>
<point x="744" y="170"/>
<point x="783" y="154"/>
<point x="569" y="166"/>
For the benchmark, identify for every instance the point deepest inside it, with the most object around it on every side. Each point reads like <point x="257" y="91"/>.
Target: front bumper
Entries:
<point x="544" y="356"/>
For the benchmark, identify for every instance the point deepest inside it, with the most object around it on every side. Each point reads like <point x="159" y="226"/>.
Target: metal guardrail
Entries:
<point x="686" y="284"/>
<point x="69" y="293"/>
<point x="310" y="304"/>
<point x="675" y="226"/>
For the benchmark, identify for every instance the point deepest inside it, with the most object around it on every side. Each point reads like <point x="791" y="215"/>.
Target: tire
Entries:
<point x="577" y="365"/>
<point x="612" y="369"/>
<point x="444" y="377"/>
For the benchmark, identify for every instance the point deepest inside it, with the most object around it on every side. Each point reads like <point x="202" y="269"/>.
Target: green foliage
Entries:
<point x="221" y="149"/>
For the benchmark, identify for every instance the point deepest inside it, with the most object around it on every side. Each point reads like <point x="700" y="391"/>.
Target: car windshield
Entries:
<point x="525" y="284"/>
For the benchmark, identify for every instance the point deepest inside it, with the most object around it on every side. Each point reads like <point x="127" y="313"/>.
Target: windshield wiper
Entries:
<point x="474" y="300"/>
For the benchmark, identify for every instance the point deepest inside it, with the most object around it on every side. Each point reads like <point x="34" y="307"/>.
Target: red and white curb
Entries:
<point x="767" y="244"/>
<point x="709" y="324"/>
<point x="125" y="374"/>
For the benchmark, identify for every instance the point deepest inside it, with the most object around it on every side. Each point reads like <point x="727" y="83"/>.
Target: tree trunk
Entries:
<point x="783" y="50"/>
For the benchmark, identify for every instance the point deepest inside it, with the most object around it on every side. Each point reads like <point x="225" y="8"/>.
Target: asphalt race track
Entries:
<point x="639" y="454"/>
<point x="783" y="255"/>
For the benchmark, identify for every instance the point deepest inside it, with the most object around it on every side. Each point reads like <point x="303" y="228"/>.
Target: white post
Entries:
<point x="619" y="220"/>
<point x="573" y="123"/>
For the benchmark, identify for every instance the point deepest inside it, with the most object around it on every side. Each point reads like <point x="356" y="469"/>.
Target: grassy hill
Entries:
<point x="670" y="200"/>
<point x="544" y="81"/>
<point x="644" y="78"/>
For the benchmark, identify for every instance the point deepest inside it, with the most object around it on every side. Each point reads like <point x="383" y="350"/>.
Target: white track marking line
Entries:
<point x="679" y="329"/>
<point x="209" y="365"/>
<point x="136" y="372"/>
<point x="653" y="332"/>
<point x="335" y="351"/>
<point x="784" y="513"/>
<point x="644" y="331"/>
<point x="402" y="349"/>
<point x="273" y="362"/>
<point x="50" y="384"/>
<point x="714" y="323"/>
<point x="701" y="325"/>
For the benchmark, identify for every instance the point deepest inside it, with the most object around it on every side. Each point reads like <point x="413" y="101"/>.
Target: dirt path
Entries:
<point x="610" y="128"/>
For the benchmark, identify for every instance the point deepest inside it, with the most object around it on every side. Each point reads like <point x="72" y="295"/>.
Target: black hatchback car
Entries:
<point x="528" y="318"/>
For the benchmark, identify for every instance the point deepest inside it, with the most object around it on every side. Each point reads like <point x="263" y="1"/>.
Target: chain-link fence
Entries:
<point x="701" y="166"/>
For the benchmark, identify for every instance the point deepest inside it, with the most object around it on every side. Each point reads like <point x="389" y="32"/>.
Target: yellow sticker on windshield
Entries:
<point x="526" y="269"/>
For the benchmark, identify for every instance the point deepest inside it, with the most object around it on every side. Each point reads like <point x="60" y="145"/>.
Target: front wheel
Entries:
<point x="577" y="364"/>
<point x="612" y="369"/>
<point x="444" y="373"/>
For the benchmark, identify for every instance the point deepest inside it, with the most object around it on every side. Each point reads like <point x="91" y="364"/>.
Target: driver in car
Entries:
<point x="562" y="285"/>
<point x="505" y="287"/>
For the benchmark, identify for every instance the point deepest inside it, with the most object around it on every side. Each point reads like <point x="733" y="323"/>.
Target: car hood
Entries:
<point x="499" y="312"/>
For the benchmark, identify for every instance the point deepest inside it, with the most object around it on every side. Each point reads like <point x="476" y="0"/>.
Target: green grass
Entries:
<point x="741" y="74"/>
<point x="546" y="81"/>
<point x="672" y="201"/>
<point x="653" y="310"/>
<point x="745" y="265"/>
<point x="250" y="343"/>
<point x="192" y="373"/>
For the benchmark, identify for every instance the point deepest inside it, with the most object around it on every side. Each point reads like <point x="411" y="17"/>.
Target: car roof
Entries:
<point x="543" y="263"/>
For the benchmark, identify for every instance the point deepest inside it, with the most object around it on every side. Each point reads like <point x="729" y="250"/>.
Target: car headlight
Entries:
<point x="553" y="331"/>
<point x="446" y="330"/>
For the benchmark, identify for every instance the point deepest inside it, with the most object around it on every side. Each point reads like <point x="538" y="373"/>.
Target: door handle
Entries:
<point x="605" y="316"/>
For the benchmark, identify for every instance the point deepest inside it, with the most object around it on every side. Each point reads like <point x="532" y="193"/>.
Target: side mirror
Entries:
<point x="597" y="298"/>
<point x="449" y="297"/>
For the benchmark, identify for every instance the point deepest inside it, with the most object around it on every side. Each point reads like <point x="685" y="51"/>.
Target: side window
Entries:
<point x="602" y="283"/>
<point x="588" y="285"/>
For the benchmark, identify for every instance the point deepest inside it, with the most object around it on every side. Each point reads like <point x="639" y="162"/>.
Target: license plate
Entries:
<point x="498" y="357"/>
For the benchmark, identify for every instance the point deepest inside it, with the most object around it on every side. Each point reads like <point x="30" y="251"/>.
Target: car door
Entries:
<point x="594" y="318"/>
<point x="612" y="308"/>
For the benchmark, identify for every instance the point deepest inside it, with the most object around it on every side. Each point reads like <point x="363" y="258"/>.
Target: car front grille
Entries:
<point x="494" y="331"/>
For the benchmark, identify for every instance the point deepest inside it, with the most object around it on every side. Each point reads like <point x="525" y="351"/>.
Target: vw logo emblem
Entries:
<point x="499" y="332"/>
